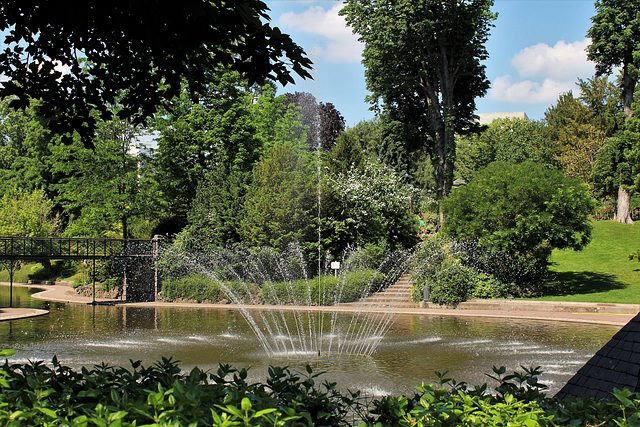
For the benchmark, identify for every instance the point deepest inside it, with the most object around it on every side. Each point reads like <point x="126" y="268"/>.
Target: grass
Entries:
<point x="602" y="272"/>
<point x="61" y="271"/>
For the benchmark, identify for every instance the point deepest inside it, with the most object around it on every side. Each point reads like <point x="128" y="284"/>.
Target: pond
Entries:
<point x="415" y="347"/>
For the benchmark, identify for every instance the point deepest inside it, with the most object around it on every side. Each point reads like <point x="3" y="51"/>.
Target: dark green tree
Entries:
<point x="24" y="148"/>
<point x="524" y="209"/>
<point x="506" y="140"/>
<point x="102" y="190"/>
<point x="198" y="135"/>
<point x="617" y="165"/>
<point x="578" y="126"/>
<point x="86" y="55"/>
<point x="615" y="43"/>
<point x="615" y="37"/>
<point x="281" y="203"/>
<point x="424" y="66"/>
<point x="346" y="155"/>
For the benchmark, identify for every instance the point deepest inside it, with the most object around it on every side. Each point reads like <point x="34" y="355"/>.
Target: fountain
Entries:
<point x="265" y="285"/>
<point x="414" y="347"/>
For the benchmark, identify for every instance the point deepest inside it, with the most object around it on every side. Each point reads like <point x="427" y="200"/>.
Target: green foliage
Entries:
<point x="26" y="214"/>
<point x="323" y="290"/>
<point x="101" y="189"/>
<point x="425" y="71"/>
<point x="200" y="288"/>
<point x="35" y="393"/>
<point x="452" y="273"/>
<point x="278" y="122"/>
<point x="505" y="140"/>
<point x="369" y="206"/>
<point x="201" y="140"/>
<point x="279" y="209"/>
<point x="522" y="209"/>
<point x="614" y="43"/>
<point x="615" y="167"/>
<point x="111" y="283"/>
<point x="24" y="148"/>
<point x="346" y="155"/>
<point x="142" y="53"/>
<point x="579" y="126"/>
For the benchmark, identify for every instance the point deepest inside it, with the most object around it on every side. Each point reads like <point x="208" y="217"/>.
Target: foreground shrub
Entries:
<point x="161" y="395"/>
<point x="164" y="395"/>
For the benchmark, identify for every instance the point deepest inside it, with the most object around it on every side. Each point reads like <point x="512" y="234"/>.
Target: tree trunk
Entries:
<point x="628" y="89"/>
<point x="623" y="214"/>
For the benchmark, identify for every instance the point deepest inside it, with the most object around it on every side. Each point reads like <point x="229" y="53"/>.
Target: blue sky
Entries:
<point x="536" y="52"/>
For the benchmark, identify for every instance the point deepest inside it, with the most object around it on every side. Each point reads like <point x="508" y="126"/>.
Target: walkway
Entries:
<point x="596" y="313"/>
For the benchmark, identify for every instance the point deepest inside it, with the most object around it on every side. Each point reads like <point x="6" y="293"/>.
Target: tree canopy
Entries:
<point x="424" y="65"/>
<point x="524" y="209"/>
<point x="615" y="36"/>
<point x="84" y="55"/>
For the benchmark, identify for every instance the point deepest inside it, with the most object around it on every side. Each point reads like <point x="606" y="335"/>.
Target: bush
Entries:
<point x="112" y="283"/>
<point x="164" y="395"/>
<point x="200" y="288"/>
<point x="524" y="210"/>
<point x="446" y="267"/>
<point x="327" y="290"/>
<point x="35" y="393"/>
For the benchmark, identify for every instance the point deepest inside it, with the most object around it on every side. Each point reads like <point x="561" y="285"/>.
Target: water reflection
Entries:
<point x="415" y="347"/>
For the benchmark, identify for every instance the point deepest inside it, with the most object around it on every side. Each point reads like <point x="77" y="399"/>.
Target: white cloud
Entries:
<point x="528" y="91"/>
<point x="564" y="61"/>
<point x="338" y="43"/>
<point x="544" y="72"/>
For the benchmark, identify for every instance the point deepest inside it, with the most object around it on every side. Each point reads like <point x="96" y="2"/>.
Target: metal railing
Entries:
<point x="609" y="214"/>
<point x="25" y="248"/>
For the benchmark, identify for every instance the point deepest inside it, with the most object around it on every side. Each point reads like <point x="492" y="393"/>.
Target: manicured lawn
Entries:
<point x="602" y="272"/>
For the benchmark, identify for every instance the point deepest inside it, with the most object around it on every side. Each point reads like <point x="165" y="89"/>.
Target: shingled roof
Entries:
<point x="617" y="364"/>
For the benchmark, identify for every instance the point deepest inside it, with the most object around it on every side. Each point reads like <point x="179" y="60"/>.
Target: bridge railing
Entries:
<point x="72" y="247"/>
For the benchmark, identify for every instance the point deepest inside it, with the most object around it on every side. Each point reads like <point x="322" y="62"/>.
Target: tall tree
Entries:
<point x="324" y="121"/>
<point x="507" y="140"/>
<point x="615" y="36"/>
<point x="102" y="189"/>
<point x="24" y="147"/>
<point x="279" y="210"/>
<point x="197" y="134"/>
<point x="579" y="126"/>
<point x="423" y="62"/>
<point x="84" y="55"/>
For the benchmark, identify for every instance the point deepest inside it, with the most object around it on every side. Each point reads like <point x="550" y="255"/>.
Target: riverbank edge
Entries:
<point x="594" y="313"/>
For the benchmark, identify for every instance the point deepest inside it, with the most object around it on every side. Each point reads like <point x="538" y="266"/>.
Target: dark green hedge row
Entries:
<point x="200" y="288"/>
<point x="327" y="290"/>
<point x="35" y="394"/>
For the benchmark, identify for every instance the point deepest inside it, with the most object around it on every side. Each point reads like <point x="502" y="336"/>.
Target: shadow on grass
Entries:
<point x="581" y="282"/>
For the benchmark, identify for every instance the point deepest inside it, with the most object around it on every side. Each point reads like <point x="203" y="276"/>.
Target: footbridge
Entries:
<point x="135" y="254"/>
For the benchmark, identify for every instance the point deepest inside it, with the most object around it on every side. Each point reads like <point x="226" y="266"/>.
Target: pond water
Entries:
<point x="415" y="347"/>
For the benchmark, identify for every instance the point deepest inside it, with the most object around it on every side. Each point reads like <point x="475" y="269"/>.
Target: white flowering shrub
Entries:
<point x="375" y="206"/>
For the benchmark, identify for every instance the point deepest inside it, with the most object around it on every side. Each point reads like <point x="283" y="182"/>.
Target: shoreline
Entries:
<point x="593" y="313"/>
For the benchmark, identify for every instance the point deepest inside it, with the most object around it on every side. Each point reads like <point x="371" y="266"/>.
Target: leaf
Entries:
<point x="47" y="411"/>
<point x="245" y="404"/>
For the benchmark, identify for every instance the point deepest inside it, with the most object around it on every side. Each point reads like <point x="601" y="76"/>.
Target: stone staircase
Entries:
<point x="397" y="295"/>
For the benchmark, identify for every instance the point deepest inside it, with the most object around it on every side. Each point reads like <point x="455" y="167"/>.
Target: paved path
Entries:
<point x="596" y="313"/>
